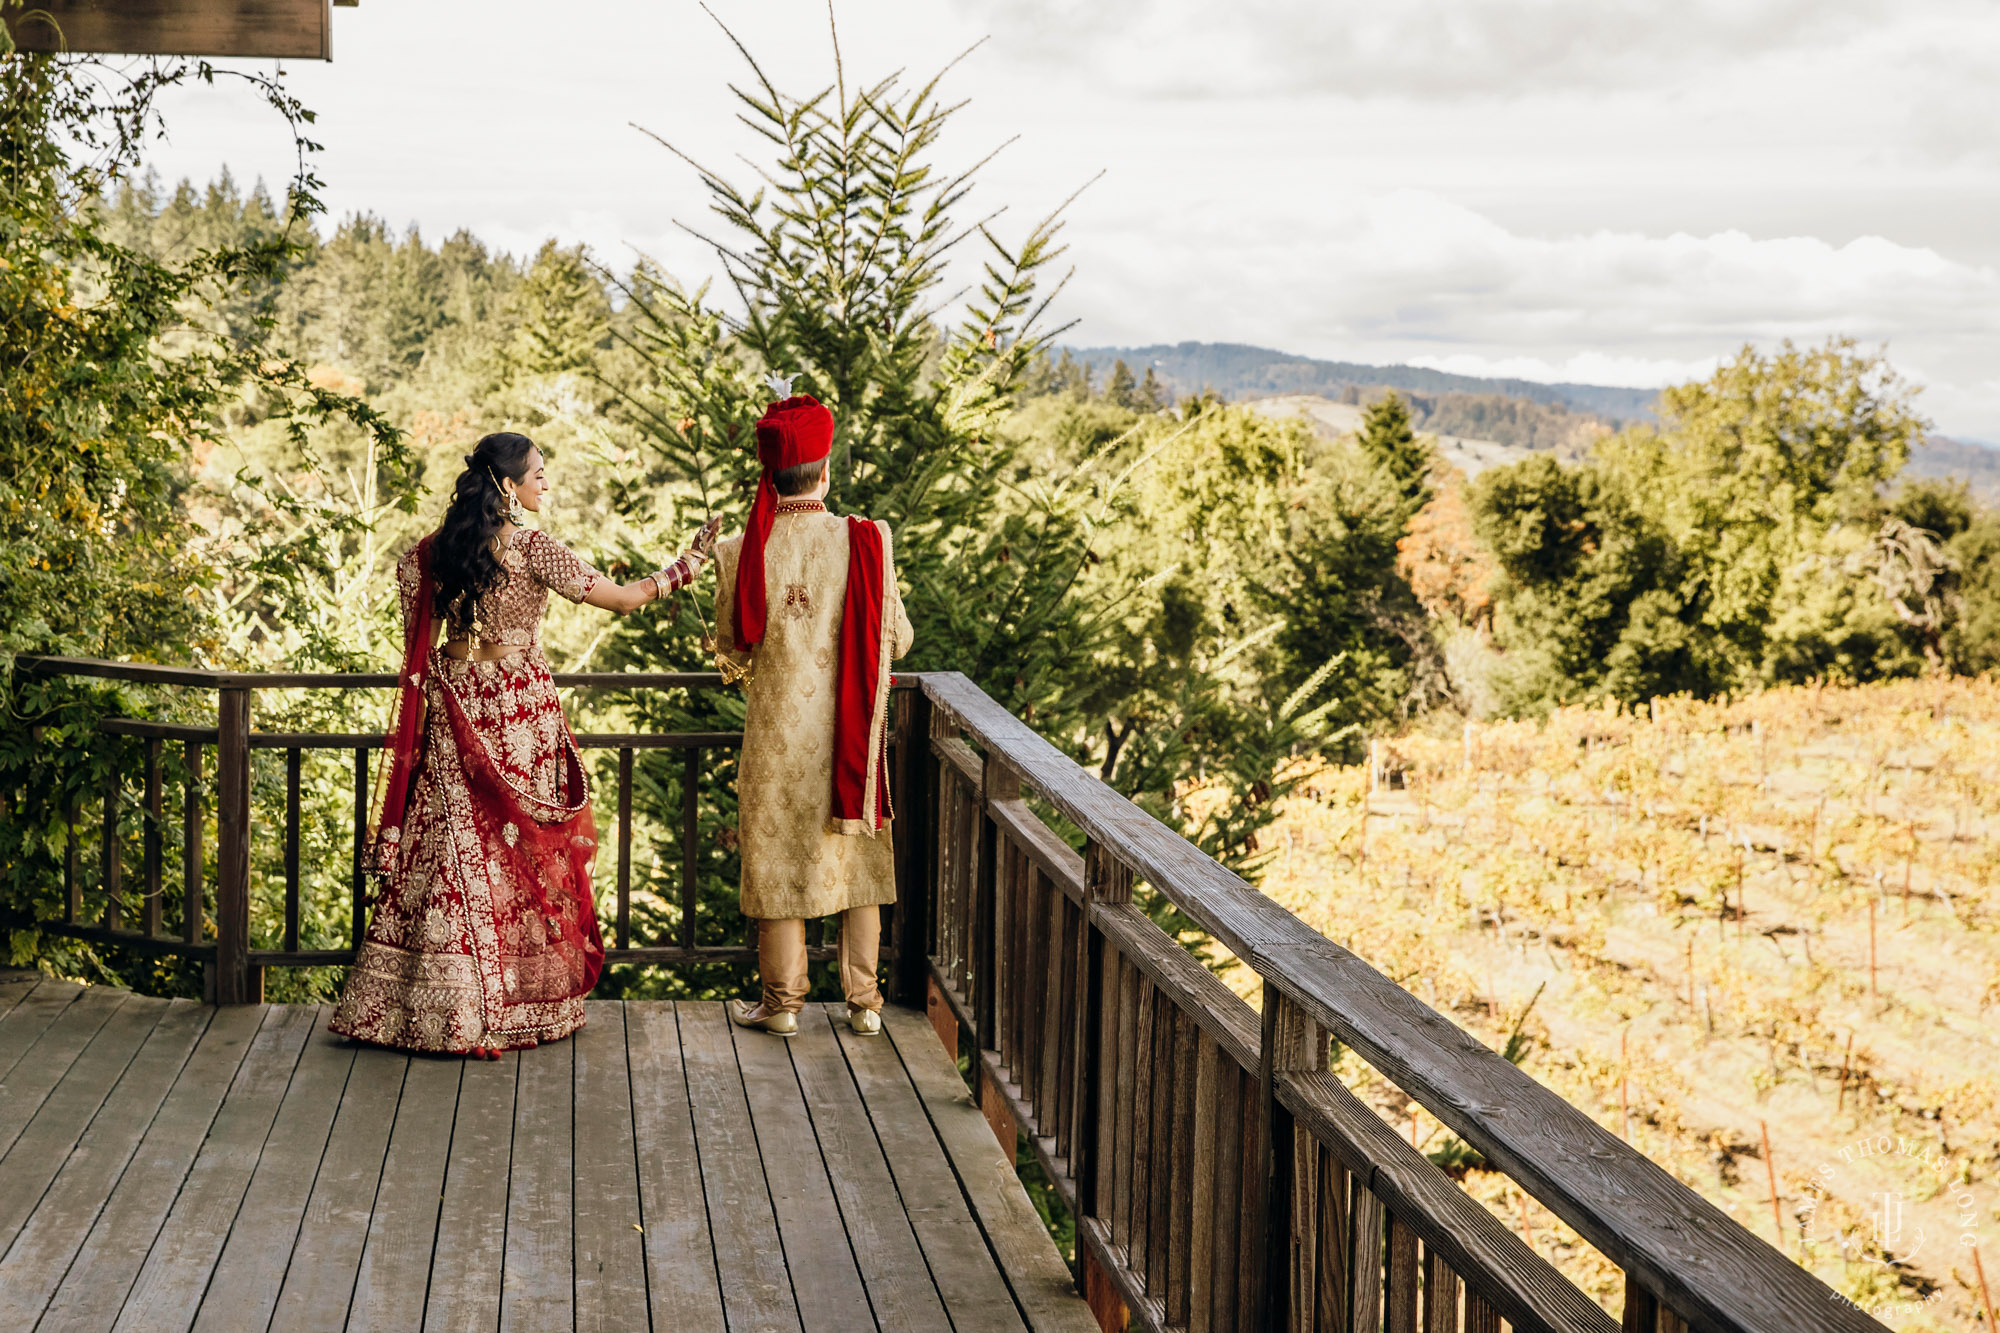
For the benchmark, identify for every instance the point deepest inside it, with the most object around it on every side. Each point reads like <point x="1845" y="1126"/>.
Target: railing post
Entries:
<point x="294" y="773"/>
<point x="1105" y="881"/>
<point x="193" y="903"/>
<point x="624" y="933"/>
<point x="997" y="782"/>
<point x="72" y="876"/>
<point x="155" y="811"/>
<point x="1644" y="1314"/>
<point x="916" y="840"/>
<point x="357" y="884"/>
<point x="111" y="875"/>
<point x="690" y="857"/>
<point x="235" y="981"/>
<point x="1290" y="1044"/>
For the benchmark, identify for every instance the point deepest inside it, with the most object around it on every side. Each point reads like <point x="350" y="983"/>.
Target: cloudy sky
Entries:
<point x="1600" y="190"/>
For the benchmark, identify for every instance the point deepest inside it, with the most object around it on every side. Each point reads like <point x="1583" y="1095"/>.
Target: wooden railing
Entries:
<point x="214" y="924"/>
<point x="1221" y="1177"/>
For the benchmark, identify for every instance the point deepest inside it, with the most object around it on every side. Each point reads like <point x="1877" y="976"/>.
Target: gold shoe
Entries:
<point x="749" y="1016"/>
<point x="864" y="1022"/>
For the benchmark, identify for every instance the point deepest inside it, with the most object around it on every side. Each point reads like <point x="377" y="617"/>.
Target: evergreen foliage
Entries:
<point x="1749" y="540"/>
<point x="1387" y="438"/>
<point x="117" y="371"/>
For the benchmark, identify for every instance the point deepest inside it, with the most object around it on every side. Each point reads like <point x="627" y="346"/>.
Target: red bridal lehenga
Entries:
<point x="484" y="932"/>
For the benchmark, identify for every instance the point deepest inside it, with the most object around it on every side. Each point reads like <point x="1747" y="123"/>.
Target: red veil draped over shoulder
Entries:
<point x="538" y="854"/>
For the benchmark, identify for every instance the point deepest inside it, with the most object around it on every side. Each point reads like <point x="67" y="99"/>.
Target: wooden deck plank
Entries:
<point x="59" y="1122"/>
<point x="94" y="1289"/>
<point x="610" y="1260"/>
<point x="969" y="1281"/>
<point x="15" y="985"/>
<point x="750" y="1261"/>
<point x="469" y="1257"/>
<point x="680" y="1256"/>
<point x="238" y="1168"/>
<point x="818" y="1252"/>
<point x="23" y="1024"/>
<point x="394" y="1276"/>
<point x="251" y="1269"/>
<point x="537" y="1284"/>
<point x="175" y="1275"/>
<point x="41" y="1250"/>
<point x="892" y="1264"/>
<point x="43" y="1065"/>
<point x="1035" y="1273"/>
<point x="319" y="1285"/>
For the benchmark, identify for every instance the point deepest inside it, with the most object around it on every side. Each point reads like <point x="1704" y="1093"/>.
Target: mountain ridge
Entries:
<point x="1239" y="370"/>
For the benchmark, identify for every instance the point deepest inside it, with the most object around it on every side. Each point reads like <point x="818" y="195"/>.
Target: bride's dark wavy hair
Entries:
<point x="463" y="566"/>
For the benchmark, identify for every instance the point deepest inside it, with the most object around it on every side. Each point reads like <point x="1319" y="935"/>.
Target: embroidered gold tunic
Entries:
<point x="792" y="866"/>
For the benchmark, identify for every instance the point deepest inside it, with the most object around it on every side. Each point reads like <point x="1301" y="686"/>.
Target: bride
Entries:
<point x="484" y="935"/>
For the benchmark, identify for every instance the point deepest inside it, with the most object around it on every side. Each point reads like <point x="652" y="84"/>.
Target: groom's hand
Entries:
<point x="705" y="538"/>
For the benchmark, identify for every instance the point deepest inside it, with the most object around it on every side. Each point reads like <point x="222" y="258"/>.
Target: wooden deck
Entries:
<point x="166" y="1165"/>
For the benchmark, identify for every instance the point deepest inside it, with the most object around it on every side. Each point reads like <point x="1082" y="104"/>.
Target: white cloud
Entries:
<point x="1629" y="372"/>
<point x="1410" y="276"/>
<point x="1425" y="49"/>
<point x="1599" y="190"/>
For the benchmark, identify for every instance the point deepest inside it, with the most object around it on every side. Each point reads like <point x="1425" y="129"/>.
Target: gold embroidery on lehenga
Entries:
<point x="441" y="969"/>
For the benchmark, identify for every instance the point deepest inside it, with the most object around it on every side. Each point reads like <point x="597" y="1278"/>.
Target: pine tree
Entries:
<point x="835" y="256"/>
<point x="1387" y="438"/>
<point x="563" y="313"/>
<point x="1153" y="395"/>
<point x="1123" y="389"/>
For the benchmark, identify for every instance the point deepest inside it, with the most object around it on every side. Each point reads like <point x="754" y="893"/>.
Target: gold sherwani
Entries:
<point x="792" y="866"/>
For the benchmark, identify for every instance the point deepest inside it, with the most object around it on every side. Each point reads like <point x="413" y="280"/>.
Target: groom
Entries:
<point x="808" y="616"/>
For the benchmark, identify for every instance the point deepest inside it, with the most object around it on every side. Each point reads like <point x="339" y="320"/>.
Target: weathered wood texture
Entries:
<point x="1118" y="1055"/>
<point x="175" y="1166"/>
<point x="235" y="968"/>
<point x="1217" y="1181"/>
<point x="288" y="29"/>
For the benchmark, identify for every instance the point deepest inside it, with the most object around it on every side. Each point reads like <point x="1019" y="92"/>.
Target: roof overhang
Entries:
<point x="288" y="29"/>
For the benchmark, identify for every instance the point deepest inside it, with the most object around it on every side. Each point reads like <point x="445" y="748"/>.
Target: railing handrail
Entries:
<point x="234" y="967"/>
<point x="374" y="740"/>
<point x="1671" y="1242"/>
<point x="1690" y="1254"/>
<point x="149" y="673"/>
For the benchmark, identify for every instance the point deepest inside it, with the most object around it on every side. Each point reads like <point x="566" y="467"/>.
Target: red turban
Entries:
<point x="795" y="431"/>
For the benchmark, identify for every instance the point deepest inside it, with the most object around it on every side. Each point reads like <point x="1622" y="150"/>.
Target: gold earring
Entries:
<point x="515" y="514"/>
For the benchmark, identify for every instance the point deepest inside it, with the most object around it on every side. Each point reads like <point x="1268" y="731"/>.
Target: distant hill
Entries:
<point x="1483" y="422"/>
<point x="1330" y="419"/>
<point x="1237" y="371"/>
<point x="1977" y="465"/>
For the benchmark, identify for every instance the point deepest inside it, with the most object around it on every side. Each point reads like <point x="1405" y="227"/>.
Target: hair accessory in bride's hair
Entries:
<point x="780" y="385"/>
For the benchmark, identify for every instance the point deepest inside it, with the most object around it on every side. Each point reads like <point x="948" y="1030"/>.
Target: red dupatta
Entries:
<point x="861" y="687"/>
<point x="406" y="724"/>
<point x="538" y="854"/>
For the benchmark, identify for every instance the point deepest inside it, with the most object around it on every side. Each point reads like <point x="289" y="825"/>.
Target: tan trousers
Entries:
<point x="781" y="960"/>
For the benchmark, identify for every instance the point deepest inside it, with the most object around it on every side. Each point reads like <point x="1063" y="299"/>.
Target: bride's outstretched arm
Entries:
<point x="683" y="571"/>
